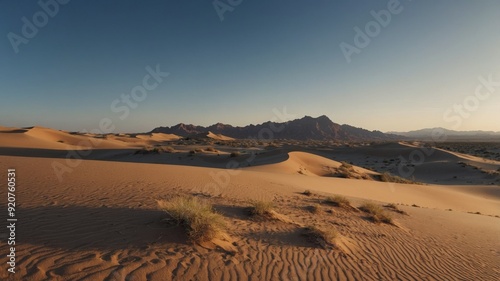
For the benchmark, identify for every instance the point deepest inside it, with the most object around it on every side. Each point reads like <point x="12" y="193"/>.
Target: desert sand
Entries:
<point x="100" y="220"/>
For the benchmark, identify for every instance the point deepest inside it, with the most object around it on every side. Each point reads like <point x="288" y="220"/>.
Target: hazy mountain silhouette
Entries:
<point x="430" y="133"/>
<point x="306" y="128"/>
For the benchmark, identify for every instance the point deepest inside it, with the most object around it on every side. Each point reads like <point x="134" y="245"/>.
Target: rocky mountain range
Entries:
<point x="306" y="128"/>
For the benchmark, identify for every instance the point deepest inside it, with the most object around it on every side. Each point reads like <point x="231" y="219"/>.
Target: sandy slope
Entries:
<point x="306" y="164"/>
<point x="45" y="138"/>
<point x="435" y="166"/>
<point x="101" y="221"/>
<point x="159" y="137"/>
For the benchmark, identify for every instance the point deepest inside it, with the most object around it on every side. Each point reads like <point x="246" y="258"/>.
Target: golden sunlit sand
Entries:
<point x="99" y="218"/>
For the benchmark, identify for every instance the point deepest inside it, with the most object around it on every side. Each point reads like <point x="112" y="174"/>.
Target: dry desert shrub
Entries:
<point x="345" y="165"/>
<point x="395" y="208"/>
<point x="338" y="201"/>
<point x="307" y="192"/>
<point x="321" y="236"/>
<point x="235" y="154"/>
<point x="262" y="208"/>
<point x="211" y="149"/>
<point x="346" y="170"/>
<point x="315" y="209"/>
<point x="167" y="149"/>
<point x="201" y="221"/>
<point x="376" y="213"/>
<point x="155" y="150"/>
<point x="388" y="177"/>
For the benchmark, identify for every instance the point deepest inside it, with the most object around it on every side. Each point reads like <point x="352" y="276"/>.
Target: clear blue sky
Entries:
<point x="263" y="55"/>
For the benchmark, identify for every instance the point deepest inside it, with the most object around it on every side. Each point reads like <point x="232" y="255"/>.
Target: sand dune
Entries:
<point x="433" y="166"/>
<point x="211" y="135"/>
<point x="40" y="137"/>
<point x="101" y="222"/>
<point x="308" y="164"/>
<point x="159" y="137"/>
<point x="109" y="225"/>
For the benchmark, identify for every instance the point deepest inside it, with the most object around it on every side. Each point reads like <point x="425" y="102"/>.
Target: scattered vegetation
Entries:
<point x="321" y="236"/>
<point x="338" y="200"/>
<point x="487" y="150"/>
<point x="156" y="150"/>
<point x="376" y="213"/>
<point x="201" y="221"/>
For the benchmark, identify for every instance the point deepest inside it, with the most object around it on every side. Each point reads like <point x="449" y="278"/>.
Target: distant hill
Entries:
<point x="426" y="134"/>
<point x="306" y="128"/>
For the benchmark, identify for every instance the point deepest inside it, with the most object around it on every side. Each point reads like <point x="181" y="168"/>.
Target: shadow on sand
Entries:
<point x="129" y="155"/>
<point x="103" y="228"/>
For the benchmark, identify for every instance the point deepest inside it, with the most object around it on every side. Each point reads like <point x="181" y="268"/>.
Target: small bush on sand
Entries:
<point x="307" y="192"/>
<point x="376" y="213"/>
<point x="167" y="149"/>
<point x="321" y="236"/>
<point x="315" y="209"/>
<point x="192" y="152"/>
<point x="235" y="154"/>
<point x="155" y="150"/>
<point x="395" y="208"/>
<point x="201" y="221"/>
<point x="339" y="201"/>
<point x="391" y="206"/>
<point x="346" y="170"/>
<point x="346" y="165"/>
<point x="388" y="177"/>
<point x="262" y="208"/>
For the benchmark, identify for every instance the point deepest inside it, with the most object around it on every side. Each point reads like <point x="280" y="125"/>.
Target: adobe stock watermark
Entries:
<point x="223" y="6"/>
<point x="120" y="106"/>
<point x="471" y="103"/>
<point x="30" y="27"/>
<point x="222" y="178"/>
<point x="455" y="114"/>
<point x="363" y="37"/>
